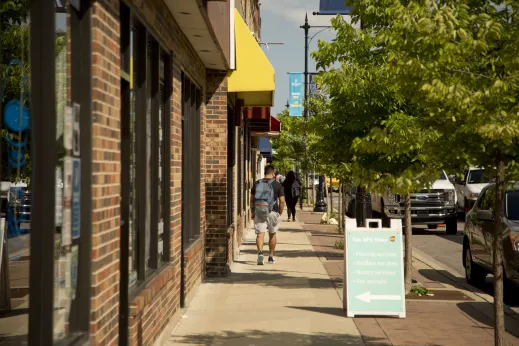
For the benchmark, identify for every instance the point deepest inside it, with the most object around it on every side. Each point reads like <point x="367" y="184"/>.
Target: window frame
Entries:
<point x="44" y="150"/>
<point x="191" y="102"/>
<point x="148" y="102"/>
<point x="231" y="159"/>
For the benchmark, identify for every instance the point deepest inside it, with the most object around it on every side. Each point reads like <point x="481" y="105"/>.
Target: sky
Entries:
<point x="280" y="22"/>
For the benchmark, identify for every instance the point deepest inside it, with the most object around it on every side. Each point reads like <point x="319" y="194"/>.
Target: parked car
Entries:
<point x="431" y="207"/>
<point x="479" y="235"/>
<point x="469" y="187"/>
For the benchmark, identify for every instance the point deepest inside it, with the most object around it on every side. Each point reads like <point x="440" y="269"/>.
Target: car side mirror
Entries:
<point x="452" y="178"/>
<point x="485" y="215"/>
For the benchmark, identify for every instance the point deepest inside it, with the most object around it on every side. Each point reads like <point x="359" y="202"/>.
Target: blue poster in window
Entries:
<point x="296" y="94"/>
<point x="76" y="198"/>
<point x="333" y="7"/>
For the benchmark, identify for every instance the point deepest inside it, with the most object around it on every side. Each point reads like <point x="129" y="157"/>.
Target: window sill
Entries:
<point x="144" y="292"/>
<point x="192" y="248"/>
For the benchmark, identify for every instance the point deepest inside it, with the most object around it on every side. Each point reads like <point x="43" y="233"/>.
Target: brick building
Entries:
<point x="135" y="163"/>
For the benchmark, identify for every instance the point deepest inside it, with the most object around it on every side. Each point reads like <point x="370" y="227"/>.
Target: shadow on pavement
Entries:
<point x="278" y="280"/>
<point x="263" y="338"/>
<point x="322" y="310"/>
<point x="481" y="312"/>
<point x="283" y="253"/>
<point x="443" y="277"/>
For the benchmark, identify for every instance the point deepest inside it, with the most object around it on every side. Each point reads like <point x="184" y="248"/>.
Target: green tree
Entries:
<point x="365" y="126"/>
<point x="293" y="146"/>
<point x="458" y="61"/>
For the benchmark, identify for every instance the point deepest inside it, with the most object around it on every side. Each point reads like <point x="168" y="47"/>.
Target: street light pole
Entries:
<point x="320" y="204"/>
<point x="306" y="27"/>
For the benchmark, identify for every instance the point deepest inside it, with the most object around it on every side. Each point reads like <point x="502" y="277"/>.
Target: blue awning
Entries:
<point x="265" y="147"/>
<point x="334" y="7"/>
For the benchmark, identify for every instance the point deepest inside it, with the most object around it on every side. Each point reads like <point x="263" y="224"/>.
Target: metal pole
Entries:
<point x="320" y="205"/>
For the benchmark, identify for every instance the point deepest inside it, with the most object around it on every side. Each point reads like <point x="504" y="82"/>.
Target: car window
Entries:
<point x="443" y="176"/>
<point x="512" y="205"/>
<point x="486" y="202"/>
<point x="478" y="177"/>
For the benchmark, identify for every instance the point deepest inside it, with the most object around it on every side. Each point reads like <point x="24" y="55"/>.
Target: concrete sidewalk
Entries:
<point x="292" y="302"/>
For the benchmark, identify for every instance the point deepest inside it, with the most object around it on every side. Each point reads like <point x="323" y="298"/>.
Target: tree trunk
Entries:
<point x="363" y="217"/>
<point x="339" y="208"/>
<point x="307" y="190"/>
<point x="331" y="196"/>
<point x="344" y="205"/>
<point x="408" y="261"/>
<point x="499" y="318"/>
<point x="313" y="189"/>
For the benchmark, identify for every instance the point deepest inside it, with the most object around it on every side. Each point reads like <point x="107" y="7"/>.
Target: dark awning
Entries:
<point x="265" y="147"/>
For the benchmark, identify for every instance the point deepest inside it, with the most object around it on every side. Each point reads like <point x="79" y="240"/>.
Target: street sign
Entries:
<point x="374" y="269"/>
<point x="334" y="7"/>
<point x="296" y="94"/>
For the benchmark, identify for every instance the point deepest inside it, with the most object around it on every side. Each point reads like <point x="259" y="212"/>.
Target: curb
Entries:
<point x="474" y="292"/>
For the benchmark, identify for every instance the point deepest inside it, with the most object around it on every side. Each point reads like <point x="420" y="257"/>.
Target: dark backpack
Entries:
<point x="264" y="198"/>
<point x="296" y="189"/>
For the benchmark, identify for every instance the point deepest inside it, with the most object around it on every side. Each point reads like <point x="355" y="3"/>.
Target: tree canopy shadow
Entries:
<point x="273" y="279"/>
<point x="283" y="253"/>
<point x="483" y="313"/>
<point x="269" y="338"/>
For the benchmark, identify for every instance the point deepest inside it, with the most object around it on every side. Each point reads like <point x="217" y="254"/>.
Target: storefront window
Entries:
<point x="132" y="162"/>
<point x="161" y="152"/>
<point x="15" y="192"/>
<point x="68" y="163"/>
<point x="145" y="136"/>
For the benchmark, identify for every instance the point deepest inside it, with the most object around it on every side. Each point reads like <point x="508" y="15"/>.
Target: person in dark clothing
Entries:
<point x="292" y="187"/>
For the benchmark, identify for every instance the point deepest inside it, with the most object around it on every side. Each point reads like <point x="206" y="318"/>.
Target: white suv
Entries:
<point x="469" y="188"/>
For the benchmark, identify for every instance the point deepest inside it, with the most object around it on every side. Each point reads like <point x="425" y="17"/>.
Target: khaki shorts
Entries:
<point x="271" y="224"/>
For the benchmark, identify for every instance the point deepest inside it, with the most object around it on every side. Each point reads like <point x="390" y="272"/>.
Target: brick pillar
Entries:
<point x="217" y="235"/>
<point x="106" y="174"/>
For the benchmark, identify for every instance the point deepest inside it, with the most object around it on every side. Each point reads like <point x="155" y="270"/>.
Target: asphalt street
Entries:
<point x="447" y="249"/>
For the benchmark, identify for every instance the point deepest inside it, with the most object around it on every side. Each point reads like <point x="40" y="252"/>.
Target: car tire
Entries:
<point x="432" y="226"/>
<point x="451" y="226"/>
<point x="474" y="274"/>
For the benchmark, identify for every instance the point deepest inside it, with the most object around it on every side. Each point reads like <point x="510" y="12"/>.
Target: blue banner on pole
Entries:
<point x="296" y="94"/>
<point x="333" y="7"/>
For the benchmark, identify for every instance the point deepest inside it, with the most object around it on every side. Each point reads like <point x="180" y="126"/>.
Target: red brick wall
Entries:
<point x="106" y="172"/>
<point x="153" y="307"/>
<point x="218" y="233"/>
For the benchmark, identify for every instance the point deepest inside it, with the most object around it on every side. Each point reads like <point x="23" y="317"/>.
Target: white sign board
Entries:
<point x="374" y="269"/>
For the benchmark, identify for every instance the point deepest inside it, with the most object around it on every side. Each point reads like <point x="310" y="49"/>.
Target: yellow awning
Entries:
<point x="253" y="79"/>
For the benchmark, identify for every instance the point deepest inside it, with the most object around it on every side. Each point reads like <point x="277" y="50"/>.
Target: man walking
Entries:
<point x="267" y="203"/>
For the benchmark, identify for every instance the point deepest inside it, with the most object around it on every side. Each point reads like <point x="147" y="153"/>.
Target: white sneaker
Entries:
<point x="260" y="259"/>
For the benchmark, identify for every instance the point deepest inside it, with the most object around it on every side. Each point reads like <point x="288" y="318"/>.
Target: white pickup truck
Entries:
<point x="431" y="207"/>
<point x="469" y="187"/>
